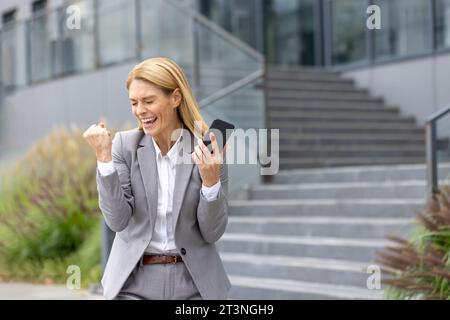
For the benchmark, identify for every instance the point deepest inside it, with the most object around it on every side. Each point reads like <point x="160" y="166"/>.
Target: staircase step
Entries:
<point x="322" y="95"/>
<point x="330" y="271"/>
<point x="295" y="163"/>
<point x="326" y="139"/>
<point x="273" y="289"/>
<point x="327" y="158"/>
<point x="314" y="247"/>
<point x="347" y="125"/>
<point x="352" y="148"/>
<point x="328" y="110"/>
<point x="301" y="116"/>
<point x="332" y="226"/>
<point x="319" y="104"/>
<point x="341" y="190"/>
<point x="328" y="207"/>
<point x="337" y="85"/>
<point x="338" y="128"/>
<point x="351" y="151"/>
<point x="360" y="173"/>
<point x="318" y="88"/>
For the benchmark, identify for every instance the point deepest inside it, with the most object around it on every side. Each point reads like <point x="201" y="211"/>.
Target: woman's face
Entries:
<point x="155" y="110"/>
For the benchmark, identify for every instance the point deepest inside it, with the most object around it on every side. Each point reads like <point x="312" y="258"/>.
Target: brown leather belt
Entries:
<point x="164" y="259"/>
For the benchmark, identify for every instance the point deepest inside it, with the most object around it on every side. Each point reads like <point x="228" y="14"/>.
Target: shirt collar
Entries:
<point x="172" y="154"/>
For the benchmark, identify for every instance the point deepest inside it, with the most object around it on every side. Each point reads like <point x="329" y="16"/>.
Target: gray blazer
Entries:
<point x="128" y="200"/>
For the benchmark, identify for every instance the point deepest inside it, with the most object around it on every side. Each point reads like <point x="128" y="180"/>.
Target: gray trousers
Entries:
<point x="159" y="282"/>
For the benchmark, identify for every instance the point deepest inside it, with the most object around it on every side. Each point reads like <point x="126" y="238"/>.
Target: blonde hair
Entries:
<point x="168" y="76"/>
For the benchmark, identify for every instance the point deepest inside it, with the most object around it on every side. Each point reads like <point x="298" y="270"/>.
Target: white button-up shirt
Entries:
<point x="163" y="238"/>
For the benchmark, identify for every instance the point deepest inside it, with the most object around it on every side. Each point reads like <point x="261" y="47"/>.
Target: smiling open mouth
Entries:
<point x="147" y="122"/>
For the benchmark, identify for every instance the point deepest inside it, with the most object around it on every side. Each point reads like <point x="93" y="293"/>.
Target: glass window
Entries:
<point x="442" y="24"/>
<point x="116" y="28"/>
<point x="76" y="47"/>
<point x="8" y="37"/>
<point x="39" y="5"/>
<point x="239" y="17"/>
<point x="42" y="30"/>
<point x="290" y="32"/>
<point x="348" y="31"/>
<point x="169" y="35"/>
<point x="13" y="54"/>
<point x="9" y="16"/>
<point x="405" y="28"/>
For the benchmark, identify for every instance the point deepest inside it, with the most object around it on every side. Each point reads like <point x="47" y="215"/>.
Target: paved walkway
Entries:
<point x="26" y="291"/>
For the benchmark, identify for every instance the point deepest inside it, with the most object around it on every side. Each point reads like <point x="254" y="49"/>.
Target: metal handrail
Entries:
<point x="439" y="114"/>
<point x="222" y="93"/>
<point x="431" y="159"/>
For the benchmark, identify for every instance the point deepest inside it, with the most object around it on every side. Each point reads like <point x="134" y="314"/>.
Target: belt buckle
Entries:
<point x="174" y="260"/>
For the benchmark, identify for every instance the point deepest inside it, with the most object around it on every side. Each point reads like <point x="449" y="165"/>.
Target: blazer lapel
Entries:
<point x="146" y="156"/>
<point x="183" y="174"/>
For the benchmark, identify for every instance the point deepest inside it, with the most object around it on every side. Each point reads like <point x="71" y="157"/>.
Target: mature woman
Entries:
<point x="167" y="212"/>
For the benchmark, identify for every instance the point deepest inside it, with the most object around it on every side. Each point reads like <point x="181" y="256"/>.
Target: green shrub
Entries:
<point x="419" y="268"/>
<point x="49" y="215"/>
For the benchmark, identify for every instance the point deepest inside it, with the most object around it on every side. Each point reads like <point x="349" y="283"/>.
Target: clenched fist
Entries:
<point x="99" y="138"/>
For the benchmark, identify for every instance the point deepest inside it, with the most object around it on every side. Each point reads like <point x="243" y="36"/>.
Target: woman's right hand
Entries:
<point x="99" y="138"/>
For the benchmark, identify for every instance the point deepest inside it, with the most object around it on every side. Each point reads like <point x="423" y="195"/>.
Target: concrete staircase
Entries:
<point x="312" y="233"/>
<point x="352" y="173"/>
<point x="325" y="120"/>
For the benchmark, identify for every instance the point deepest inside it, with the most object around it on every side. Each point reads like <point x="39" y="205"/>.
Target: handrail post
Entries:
<point x="431" y="137"/>
<point x="431" y="158"/>
<point x="268" y="141"/>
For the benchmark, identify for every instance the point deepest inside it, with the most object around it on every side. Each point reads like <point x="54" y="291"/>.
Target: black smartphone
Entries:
<point x="222" y="130"/>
